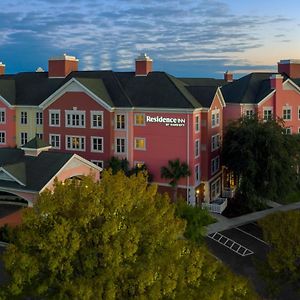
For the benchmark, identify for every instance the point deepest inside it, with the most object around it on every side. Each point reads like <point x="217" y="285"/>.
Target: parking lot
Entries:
<point x="241" y="248"/>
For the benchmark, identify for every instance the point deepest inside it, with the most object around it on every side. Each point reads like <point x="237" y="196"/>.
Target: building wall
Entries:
<point x="31" y="127"/>
<point x="79" y="101"/>
<point x="8" y="126"/>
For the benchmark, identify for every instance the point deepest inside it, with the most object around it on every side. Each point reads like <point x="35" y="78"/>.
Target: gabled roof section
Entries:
<point x="204" y="94"/>
<point x="204" y="81"/>
<point x="16" y="171"/>
<point x="251" y="88"/>
<point x="8" y="91"/>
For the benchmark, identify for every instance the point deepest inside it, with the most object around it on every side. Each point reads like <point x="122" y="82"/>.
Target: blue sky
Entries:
<point x="184" y="38"/>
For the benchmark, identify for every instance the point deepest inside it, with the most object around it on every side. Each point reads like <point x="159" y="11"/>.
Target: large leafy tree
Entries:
<point x="281" y="231"/>
<point x="115" y="240"/>
<point x="263" y="158"/>
<point x="175" y="171"/>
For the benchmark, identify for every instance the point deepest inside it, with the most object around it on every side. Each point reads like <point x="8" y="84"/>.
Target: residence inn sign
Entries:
<point x="178" y="122"/>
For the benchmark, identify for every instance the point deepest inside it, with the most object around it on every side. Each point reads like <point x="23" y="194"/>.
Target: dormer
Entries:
<point x="35" y="146"/>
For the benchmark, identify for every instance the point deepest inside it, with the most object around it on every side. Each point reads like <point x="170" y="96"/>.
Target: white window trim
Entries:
<point x="214" y="183"/>
<point x="213" y="137"/>
<point x="97" y="162"/>
<point x="125" y="145"/>
<point x="3" y="110"/>
<point x="25" y="114"/>
<point x="73" y="113"/>
<point x="140" y="138"/>
<point x="92" y="144"/>
<point x="197" y="180"/>
<point x="291" y="113"/>
<point x="97" y="113"/>
<point x="212" y="164"/>
<point x="21" y="138"/>
<point x="197" y="117"/>
<point x="288" y="128"/>
<point x="197" y="154"/>
<point x="54" y="111"/>
<point x="75" y="136"/>
<point x="265" y="109"/>
<point x="38" y="134"/>
<point x="50" y="138"/>
<point x="215" y="112"/>
<point x="40" y="119"/>
<point x="4" y="132"/>
<point x="125" y="121"/>
<point x="139" y="114"/>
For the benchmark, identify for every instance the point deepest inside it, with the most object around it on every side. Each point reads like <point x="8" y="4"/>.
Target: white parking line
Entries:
<point x="253" y="236"/>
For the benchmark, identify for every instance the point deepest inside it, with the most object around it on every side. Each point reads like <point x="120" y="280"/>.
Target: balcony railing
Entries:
<point x="228" y="192"/>
<point x="216" y="206"/>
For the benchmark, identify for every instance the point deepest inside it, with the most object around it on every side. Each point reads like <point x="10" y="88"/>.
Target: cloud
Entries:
<point x="110" y="34"/>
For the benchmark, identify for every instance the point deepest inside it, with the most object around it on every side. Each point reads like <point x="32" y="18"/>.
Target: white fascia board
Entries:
<point x="219" y="93"/>
<point x="62" y="90"/>
<point x="266" y="98"/>
<point x="6" y="102"/>
<point x="293" y="84"/>
<point x="11" y="176"/>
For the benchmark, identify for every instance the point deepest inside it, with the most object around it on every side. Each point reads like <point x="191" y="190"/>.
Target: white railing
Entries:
<point x="216" y="206"/>
<point x="228" y="193"/>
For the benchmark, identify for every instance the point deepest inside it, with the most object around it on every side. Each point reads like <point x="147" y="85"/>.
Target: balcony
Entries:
<point x="228" y="192"/>
<point x="216" y="206"/>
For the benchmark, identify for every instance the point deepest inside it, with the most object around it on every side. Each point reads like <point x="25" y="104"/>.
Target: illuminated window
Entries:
<point x="75" y="143"/>
<point x="139" y="119"/>
<point x="140" y="144"/>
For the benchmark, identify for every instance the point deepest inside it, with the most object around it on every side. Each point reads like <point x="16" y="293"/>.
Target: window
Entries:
<point x="2" y="137"/>
<point x="23" y="117"/>
<point x="268" y="112"/>
<point x="39" y="135"/>
<point x="23" y="138"/>
<point x="197" y="173"/>
<point x="39" y="118"/>
<point x="120" y="121"/>
<point x="139" y="119"/>
<point x="215" y="165"/>
<point x="287" y="114"/>
<point x="75" y="143"/>
<point x="249" y="113"/>
<point x="215" y="118"/>
<point x="140" y="144"/>
<point x="96" y="144"/>
<point x="197" y="123"/>
<point x="98" y="163"/>
<point x="97" y="119"/>
<point x="75" y="118"/>
<point x="215" y="189"/>
<point x="120" y="145"/>
<point x="54" y="118"/>
<point x="215" y="142"/>
<point x="288" y="130"/>
<point x="54" y="140"/>
<point x="197" y="148"/>
<point x="2" y="116"/>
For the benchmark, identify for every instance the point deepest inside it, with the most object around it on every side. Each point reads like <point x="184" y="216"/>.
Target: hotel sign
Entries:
<point x="174" y="122"/>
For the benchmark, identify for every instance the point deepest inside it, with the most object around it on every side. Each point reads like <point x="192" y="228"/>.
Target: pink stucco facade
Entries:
<point x="7" y="125"/>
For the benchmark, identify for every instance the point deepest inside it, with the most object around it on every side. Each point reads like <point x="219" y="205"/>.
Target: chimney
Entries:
<point x="143" y="65"/>
<point x="228" y="76"/>
<point x="276" y="81"/>
<point x="62" y="66"/>
<point x="2" y="68"/>
<point x="290" y="67"/>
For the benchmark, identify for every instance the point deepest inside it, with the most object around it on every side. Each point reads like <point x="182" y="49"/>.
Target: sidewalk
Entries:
<point x="226" y="223"/>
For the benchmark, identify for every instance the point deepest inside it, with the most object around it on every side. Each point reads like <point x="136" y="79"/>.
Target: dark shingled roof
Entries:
<point x="251" y="88"/>
<point x="117" y="89"/>
<point x="37" y="171"/>
<point x="204" y="94"/>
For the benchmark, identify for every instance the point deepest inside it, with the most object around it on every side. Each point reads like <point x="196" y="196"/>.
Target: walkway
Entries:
<point x="226" y="223"/>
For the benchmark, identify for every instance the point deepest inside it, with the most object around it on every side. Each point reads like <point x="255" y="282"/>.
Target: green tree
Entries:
<point x="263" y="158"/>
<point x="116" y="165"/>
<point x="175" y="171"/>
<point x="281" y="231"/>
<point x="117" y="239"/>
